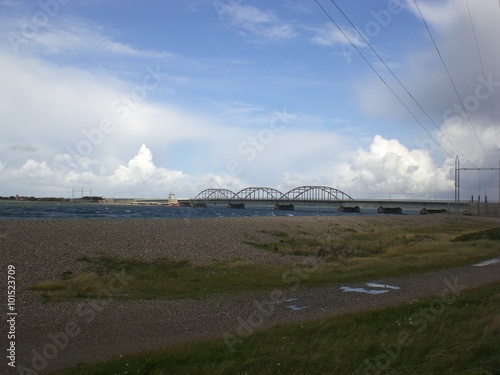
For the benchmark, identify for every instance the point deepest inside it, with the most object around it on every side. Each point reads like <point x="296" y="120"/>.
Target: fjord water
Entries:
<point x="60" y="210"/>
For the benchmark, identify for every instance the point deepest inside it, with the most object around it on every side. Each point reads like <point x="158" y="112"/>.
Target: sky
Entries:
<point x="139" y="99"/>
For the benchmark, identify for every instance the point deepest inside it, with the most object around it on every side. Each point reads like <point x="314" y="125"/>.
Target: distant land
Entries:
<point x="20" y="198"/>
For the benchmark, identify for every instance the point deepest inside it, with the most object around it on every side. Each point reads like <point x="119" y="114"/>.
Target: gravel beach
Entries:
<point x="43" y="249"/>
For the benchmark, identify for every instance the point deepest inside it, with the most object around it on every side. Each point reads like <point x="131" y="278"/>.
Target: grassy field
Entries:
<point x="336" y="255"/>
<point x="458" y="334"/>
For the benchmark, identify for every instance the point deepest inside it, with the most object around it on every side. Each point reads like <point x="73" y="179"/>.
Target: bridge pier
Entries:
<point x="389" y="210"/>
<point x="284" y="207"/>
<point x="235" y="205"/>
<point x="426" y="211"/>
<point x="354" y="209"/>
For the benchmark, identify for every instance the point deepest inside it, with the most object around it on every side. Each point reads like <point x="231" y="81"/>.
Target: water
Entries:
<point x="363" y="290"/>
<point x="60" y="210"/>
<point x="376" y="288"/>
<point x="487" y="262"/>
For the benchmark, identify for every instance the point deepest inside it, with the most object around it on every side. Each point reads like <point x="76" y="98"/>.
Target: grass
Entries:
<point x="459" y="334"/>
<point x="365" y="253"/>
<point x="165" y="279"/>
<point x="488" y="234"/>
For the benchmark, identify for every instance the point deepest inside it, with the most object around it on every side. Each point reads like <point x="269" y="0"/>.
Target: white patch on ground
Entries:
<point x="296" y="308"/>
<point x="363" y="290"/>
<point x="487" y="262"/>
<point x="383" y="286"/>
<point x="379" y="288"/>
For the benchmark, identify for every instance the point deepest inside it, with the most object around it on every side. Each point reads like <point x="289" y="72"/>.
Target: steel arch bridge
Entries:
<point x="216" y="194"/>
<point x="316" y="194"/>
<point x="267" y="194"/>
<point x="259" y="193"/>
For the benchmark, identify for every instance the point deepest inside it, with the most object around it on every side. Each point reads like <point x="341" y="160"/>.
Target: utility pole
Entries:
<point x="457" y="184"/>
<point x="457" y="179"/>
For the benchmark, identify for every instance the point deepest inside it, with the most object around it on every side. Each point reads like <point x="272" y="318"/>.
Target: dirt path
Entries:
<point x="61" y="335"/>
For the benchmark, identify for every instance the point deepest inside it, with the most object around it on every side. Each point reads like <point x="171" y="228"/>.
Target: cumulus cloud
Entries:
<point x="463" y="125"/>
<point x="388" y="167"/>
<point x="140" y="168"/>
<point x="87" y="120"/>
<point x="463" y="138"/>
<point x="139" y="178"/>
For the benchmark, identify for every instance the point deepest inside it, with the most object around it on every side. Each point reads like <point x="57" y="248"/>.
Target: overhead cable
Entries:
<point x="452" y="82"/>
<point x="397" y="79"/>
<point x="382" y="79"/>
<point x="482" y="66"/>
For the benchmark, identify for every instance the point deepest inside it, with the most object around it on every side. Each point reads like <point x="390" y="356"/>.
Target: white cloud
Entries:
<point x="441" y="14"/>
<point x="389" y="167"/>
<point x="423" y="74"/>
<point x="81" y="39"/>
<point x="66" y="37"/>
<point x="139" y="169"/>
<point x="261" y="25"/>
<point x="329" y="35"/>
<point x="139" y="178"/>
<point x="463" y="137"/>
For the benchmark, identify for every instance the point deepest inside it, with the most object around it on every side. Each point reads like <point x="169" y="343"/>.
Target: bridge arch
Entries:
<point x="259" y="193"/>
<point x="316" y="193"/>
<point x="216" y="194"/>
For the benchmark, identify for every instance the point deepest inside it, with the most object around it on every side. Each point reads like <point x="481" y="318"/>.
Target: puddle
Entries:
<point x="487" y="262"/>
<point x="379" y="288"/>
<point x="383" y="286"/>
<point x="363" y="290"/>
<point x="296" y="308"/>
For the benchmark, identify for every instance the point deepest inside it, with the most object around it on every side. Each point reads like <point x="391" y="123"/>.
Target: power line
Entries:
<point x="397" y="79"/>
<point x="481" y="64"/>
<point x="380" y="77"/>
<point x="451" y="80"/>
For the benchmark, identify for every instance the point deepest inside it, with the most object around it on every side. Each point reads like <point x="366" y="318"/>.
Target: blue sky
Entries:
<point x="137" y="99"/>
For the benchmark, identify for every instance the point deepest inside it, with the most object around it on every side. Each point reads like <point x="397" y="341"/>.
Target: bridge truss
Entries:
<point x="266" y="194"/>
<point x="216" y="194"/>
<point x="259" y="193"/>
<point x="316" y="194"/>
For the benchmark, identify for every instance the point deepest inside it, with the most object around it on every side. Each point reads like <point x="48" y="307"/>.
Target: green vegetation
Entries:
<point x="372" y="240"/>
<point x="131" y="279"/>
<point x="360" y="253"/>
<point x="492" y="234"/>
<point x="297" y="243"/>
<point x="459" y="334"/>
